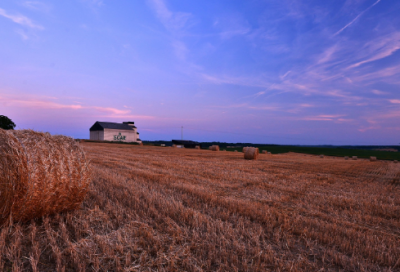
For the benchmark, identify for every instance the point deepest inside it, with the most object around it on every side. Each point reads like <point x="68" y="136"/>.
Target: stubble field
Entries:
<point x="169" y="209"/>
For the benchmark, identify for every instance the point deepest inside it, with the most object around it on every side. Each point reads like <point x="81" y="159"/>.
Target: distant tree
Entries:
<point x="6" y="123"/>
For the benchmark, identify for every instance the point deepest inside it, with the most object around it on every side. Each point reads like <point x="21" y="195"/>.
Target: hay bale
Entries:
<point x="197" y="147"/>
<point x="215" y="147"/>
<point x="40" y="174"/>
<point x="174" y="145"/>
<point x="244" y="149"/>
<point x="321" y="156"/>
<point x="264" y="152"/>
<point x="354" y="157"/>
<point x="268" y="152"/>
<point x="251" y="153"/>
<point x="235" y="151"/>
<point x="346" y="157"/>
<point x="372" y="158"/>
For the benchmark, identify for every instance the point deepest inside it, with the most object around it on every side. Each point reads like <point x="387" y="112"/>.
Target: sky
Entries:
<point x="261" y="71"/>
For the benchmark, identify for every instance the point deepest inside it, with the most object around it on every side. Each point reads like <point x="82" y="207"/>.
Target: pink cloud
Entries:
<point x="49" y="105"/>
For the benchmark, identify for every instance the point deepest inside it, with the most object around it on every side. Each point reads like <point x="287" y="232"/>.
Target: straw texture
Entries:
<point x="40" y="174"/>
<point x="251" y="153"/>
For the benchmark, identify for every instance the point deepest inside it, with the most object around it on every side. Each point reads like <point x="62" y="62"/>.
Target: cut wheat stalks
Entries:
<point x="251" y="153"/>
<point x="40" y="175"/>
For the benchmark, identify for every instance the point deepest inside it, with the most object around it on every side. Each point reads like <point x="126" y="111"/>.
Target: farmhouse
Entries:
<point x="107" y="131"/>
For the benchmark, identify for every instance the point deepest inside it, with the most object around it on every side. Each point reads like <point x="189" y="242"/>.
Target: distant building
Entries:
<point x="107" y="131"/>
<point x="186" y="143"/>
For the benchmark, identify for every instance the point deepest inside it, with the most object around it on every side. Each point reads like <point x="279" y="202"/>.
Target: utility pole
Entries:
<point x="182" y="133"/>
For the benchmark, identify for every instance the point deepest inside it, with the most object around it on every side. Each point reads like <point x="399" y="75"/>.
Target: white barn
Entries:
<point x="107" y="131"/>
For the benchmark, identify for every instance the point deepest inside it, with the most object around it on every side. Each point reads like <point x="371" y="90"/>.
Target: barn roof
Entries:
<point x="108" y="125"/>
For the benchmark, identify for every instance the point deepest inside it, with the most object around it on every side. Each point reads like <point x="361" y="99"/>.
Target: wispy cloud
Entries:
<point x="22" y="34"/>
<point x="173" y="21"/>
<point x="378" y="92"/>
<point x="323" y="117"/>
<point x="20" y="19"/>
<point x="176" y="24"/>
<point x="36" y="5"/>
<point x="394" y="101"/>
<point x="51" y="105"/>
<point x="355" y="19"/>
<point x="379" y="48"/>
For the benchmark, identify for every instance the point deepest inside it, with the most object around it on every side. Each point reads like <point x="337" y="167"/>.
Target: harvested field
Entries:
<point x="164" y="209"/>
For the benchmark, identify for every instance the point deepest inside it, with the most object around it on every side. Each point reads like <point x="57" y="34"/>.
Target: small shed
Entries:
<point x="186" y="143"/>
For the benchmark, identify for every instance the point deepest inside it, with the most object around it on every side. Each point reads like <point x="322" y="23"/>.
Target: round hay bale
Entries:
<point x="346" y="157"/>
<point x="321" y="156"/>
<point x="372" y="158"/>
<point x="245" y="148"/>
<point x="197" y="147"/>
<point x="354" y="157"/>
<point x="215" y="147"/>
<point x="40" y="174"/>
<point x="174" y="145"/>
<point x="264" y="152"/>
<point x="251" y="153"/>
<point x="235" y="151"/>
<point x="268" y="152"/>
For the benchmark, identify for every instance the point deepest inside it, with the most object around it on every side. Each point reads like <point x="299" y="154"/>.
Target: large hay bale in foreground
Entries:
<point x="251" y="153"/>
<point x="40" y="174"/>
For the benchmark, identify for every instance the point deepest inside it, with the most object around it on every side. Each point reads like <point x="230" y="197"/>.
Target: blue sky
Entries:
<point x="284" y="71"/>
